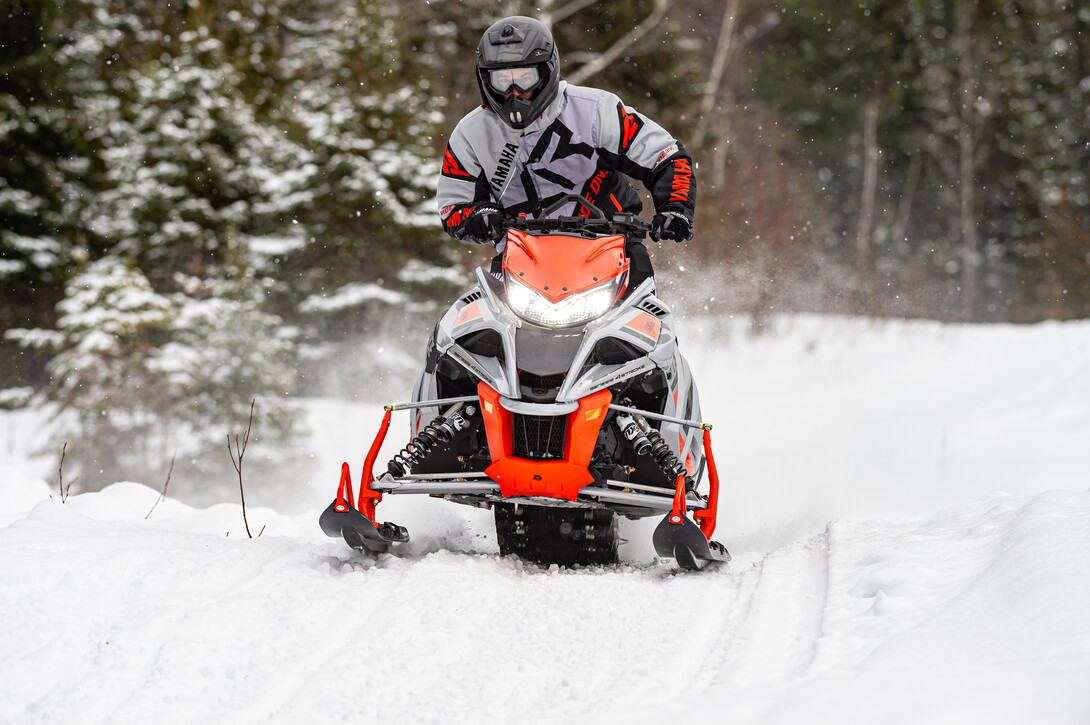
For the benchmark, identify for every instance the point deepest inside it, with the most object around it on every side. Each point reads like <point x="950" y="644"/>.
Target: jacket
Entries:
<point x="587" y="142"/>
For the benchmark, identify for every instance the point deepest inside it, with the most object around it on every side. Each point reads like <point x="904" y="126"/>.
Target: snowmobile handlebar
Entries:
<point x="593" y="223"/>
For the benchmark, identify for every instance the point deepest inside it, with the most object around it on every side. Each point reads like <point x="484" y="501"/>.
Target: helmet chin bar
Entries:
<point x="517" y="112"/>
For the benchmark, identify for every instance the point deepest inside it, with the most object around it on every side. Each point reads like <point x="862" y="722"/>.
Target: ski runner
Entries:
<point x="536" y="137"/>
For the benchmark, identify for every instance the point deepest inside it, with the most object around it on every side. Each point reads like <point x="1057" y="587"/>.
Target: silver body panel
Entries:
<point x="641" y="320"/>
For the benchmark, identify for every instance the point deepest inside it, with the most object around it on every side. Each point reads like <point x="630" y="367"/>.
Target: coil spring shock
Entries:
<point x="441" y="429"/>
<point x="667" y="462"/>
<point x="670" y="464"/>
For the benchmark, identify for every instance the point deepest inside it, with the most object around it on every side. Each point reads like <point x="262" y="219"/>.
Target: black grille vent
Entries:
<point x="487" y="343"/>
<point x="649" y="306"/>
<point x="539" y="437"/>
<point x="540" y="382"/>
<point x="473" y="296"/>
<point x="614" y="351"/>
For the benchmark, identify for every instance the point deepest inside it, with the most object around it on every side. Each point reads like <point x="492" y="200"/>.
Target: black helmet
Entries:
<point x="517" y="52"/>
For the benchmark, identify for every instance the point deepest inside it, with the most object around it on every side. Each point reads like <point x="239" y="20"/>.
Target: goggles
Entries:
<point x="504" y="79"/>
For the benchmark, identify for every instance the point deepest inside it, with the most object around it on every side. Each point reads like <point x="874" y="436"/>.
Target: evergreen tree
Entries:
<point x="140" y="376"/>
<point x="360" y="195"/>
<point x="961" y="105"/>
<point x="184" y="165"/>
<point x="43" y="164"/>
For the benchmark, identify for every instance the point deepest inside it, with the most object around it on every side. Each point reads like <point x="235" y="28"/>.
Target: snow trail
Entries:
<point x="113" y="621"/>
<point x="878" y="574"/>
<point x="777" y="634"/>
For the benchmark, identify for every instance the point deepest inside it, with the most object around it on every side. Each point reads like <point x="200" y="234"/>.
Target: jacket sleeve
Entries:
<point x="462" y="184"/>
<point x="637" y="146"/>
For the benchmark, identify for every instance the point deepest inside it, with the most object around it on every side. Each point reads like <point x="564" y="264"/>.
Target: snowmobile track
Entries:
<point x="772" y="628"/>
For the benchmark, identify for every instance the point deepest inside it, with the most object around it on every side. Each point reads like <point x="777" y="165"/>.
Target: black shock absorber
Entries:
<point x="667" y="462"/>
<point x="441" y="429"/>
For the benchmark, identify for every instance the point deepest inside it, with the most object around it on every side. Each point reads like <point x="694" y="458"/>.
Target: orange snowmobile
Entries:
<point x="558" y="398"/>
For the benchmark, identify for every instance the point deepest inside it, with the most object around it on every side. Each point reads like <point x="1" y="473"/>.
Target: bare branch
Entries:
<point x="550" y="17"/>
<point x="236" y="461"/>
<point x="60" y="476"/>
<point x="163" y="495"/>
<point x="723" y="48"/>
<point x="603" y="60"/>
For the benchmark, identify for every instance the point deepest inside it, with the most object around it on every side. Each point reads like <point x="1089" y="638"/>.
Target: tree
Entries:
<point x="43" y="168"/>
<point x="1047" y="136"/>
<point x="139" y="375"/>
<point x="360" y="194"/>
<point x="161" y="339"/>
<point x="935" y="100"/>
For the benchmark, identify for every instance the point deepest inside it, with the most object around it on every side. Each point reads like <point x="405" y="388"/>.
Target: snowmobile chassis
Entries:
<point x="684" y="533"/>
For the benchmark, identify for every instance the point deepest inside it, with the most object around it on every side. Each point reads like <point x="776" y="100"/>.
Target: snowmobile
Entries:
<point x="557" y="397"/>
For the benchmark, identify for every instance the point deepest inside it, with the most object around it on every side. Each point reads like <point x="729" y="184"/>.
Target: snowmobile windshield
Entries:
<point x="546" y="352"/>
<point x="562" y="280"/>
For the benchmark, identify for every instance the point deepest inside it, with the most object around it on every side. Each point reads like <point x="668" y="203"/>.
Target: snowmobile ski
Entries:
<point x="359" y="529"/>
<point x="360" y="532"/>
<point x="685" y="542"/>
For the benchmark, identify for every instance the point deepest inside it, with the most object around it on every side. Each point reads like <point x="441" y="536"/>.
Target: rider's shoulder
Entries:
<point x="593" y="101"/>
<point x="586" y="94"/>
<point x="479" y="114"/>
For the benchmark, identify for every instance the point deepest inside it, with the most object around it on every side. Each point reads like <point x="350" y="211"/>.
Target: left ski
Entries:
<point x="683" y="541"/>
<point x="358" y="531"/>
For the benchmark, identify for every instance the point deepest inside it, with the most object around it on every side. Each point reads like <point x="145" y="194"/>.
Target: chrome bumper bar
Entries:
<point x="478" y="484"/>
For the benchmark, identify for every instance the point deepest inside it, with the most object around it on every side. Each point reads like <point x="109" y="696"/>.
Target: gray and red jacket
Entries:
<point x="587" y="142"/>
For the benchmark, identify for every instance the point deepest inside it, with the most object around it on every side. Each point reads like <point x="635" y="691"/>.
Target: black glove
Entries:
<point x="484" y="225"/>
<point x="671" y="225"/>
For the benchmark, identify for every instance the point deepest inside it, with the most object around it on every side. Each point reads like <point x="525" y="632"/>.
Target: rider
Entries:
<point x="536" y="137"/>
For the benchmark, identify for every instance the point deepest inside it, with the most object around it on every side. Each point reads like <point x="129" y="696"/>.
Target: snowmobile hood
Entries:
<point x="557" y="266"/>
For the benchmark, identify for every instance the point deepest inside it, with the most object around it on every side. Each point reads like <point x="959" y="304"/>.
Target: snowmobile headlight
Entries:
<point x="573" y="310"/>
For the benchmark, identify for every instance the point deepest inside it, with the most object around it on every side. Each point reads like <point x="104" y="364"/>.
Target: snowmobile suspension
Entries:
<point x="440" y="430"/>
<point x="678" y="537"/>
<point x="645" y="440"/>
<point x="665" y="458"/>
<point x="369" y="498"/>
<point x="634" y="434"/>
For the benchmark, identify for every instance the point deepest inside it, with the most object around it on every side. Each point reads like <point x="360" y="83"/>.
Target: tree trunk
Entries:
<point x="603" y="60"/>
<point x="899" y="234"/>
<point x="970" y="242"/>
<point x="715" y="75"/>
<point x="864" y="234"/>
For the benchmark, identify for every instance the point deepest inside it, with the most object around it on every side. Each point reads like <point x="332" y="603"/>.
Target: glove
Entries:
<point x="671" y="225"/>
<point x="484" y="225"/>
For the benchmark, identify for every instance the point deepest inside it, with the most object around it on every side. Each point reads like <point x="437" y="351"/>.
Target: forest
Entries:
<point x="209" y="202"/>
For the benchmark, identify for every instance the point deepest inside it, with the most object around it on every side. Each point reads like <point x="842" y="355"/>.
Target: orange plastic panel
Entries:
<point x="554" y="479"/>
<point x="559" y="265"/>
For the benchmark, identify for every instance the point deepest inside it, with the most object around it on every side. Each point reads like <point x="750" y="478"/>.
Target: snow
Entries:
<point x="908" y="505"/>
<point x="351" y="295"/>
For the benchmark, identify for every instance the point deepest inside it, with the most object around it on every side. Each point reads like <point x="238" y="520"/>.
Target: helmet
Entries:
<point x="517" y="52"/>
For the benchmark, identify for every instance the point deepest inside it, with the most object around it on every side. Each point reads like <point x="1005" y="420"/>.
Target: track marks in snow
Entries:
<point x="774" y="628"/>
<point x="899" y="584"/>
<point x="514" y="643"/>
<point x="113" y="621"/>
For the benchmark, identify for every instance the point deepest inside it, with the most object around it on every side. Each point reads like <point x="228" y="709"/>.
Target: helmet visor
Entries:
<point x="504" y="79"/>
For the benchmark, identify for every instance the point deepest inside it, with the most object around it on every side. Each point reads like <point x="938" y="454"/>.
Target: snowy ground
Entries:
<point x="908" y="505"/>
